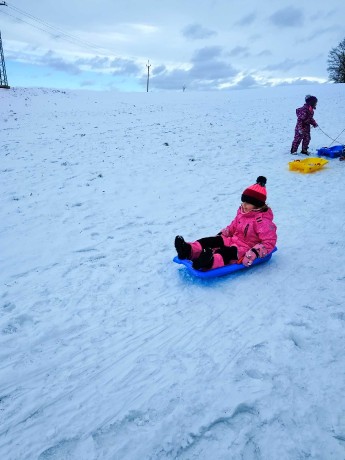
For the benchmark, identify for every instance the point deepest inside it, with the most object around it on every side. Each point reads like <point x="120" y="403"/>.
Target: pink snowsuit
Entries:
<point x="244" y="232"/>
<point x="302" y="130"/>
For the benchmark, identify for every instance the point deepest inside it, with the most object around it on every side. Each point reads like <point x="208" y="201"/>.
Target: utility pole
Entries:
<point x="148" y="65"/>
<point x="3" y="75"/>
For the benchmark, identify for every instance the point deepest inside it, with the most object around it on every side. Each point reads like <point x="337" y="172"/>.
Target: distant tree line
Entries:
<point x="336" y="63"/>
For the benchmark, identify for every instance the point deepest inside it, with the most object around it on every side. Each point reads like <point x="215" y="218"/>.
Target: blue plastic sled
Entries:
<point x="332" y="152"/>
<point x="227" y="270"/>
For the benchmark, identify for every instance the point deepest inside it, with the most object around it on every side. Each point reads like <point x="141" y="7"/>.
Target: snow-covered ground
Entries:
<point x="109" y="350"/>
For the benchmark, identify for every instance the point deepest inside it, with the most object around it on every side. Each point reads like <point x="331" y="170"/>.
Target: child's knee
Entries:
<point x="217" y="261"/>
<point x="196" y="249"/>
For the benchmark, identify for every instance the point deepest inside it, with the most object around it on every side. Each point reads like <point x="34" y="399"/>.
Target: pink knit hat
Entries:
<point x="256" y="193"/>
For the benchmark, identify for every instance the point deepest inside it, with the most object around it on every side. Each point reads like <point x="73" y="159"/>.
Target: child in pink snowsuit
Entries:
<point x="305" y="118"/>
<point x="250" y="235"/>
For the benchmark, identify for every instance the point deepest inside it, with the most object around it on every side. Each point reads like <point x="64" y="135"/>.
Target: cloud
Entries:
<point x="316" y="34"/>
<point x="259" y="39"/>
<point x="239" y="51"/>
<point x="264" y="53"/>
<point x="246" y="20"/>
<point x="207" y="53"/>
<point x="48" y="59"/>
<point x="322" y="15"/>
<point x="117" y="66"/>
<point x="246" y="82"/>
<point x="287" y="17"/>
<point x="144" y="28"/>
<point x="57" y="63"/>
<point x="208" y="71"/>
<point x="207" y="64"/>
<point x="288" y="64"/>
<point x="87" y="83"/>
<point x="300" y="81"/>
<point x="124" y="67"/>
<point x="169" y="79"/>
<point x="95" y="62"/>
<point x="158" y="70"/>
<point x="212" y="70"/>
<point x="197" y="32"/>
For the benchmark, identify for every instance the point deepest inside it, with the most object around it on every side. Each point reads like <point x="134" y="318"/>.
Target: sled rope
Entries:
<point x="333" y="140"/>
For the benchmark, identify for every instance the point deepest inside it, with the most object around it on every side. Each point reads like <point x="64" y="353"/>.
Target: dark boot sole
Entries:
<point x="183" y="249"/>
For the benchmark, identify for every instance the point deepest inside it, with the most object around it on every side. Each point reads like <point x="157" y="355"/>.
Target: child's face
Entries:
<point x="247" y="207"/>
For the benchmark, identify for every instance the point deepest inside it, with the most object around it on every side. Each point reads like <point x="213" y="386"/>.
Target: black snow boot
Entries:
<point x="183" y="249"/>
<point x="305" y="152"/>
<point x="205" y="260"/>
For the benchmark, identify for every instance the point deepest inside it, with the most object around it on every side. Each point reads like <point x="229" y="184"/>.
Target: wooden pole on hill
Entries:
<point x="148" y="65"/>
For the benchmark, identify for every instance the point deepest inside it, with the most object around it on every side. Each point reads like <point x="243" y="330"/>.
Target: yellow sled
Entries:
<point x="308" y="165"/>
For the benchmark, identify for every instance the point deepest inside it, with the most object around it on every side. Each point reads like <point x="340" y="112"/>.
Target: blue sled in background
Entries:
<point x="332" y="152"/>
<point x="226" y="270"/>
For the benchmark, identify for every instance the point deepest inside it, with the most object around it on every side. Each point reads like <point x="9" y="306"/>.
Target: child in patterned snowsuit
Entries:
<point x="304" y="120"/>
<point x="250" y="235"/>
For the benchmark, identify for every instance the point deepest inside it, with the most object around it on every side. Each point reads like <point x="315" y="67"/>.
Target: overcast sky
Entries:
<point x="197" y="44"/>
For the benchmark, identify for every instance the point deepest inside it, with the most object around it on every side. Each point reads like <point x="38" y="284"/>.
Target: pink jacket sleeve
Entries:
<point x="267" y="232"/>
<point x="230" y="229"/>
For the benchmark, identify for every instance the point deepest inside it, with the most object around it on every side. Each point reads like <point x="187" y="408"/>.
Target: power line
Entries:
<point x="59" y="33"/>
<point x="54" y="31"/>
<point x="46" y="24"/>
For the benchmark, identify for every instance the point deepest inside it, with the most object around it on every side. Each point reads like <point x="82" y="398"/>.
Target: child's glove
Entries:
<point x="248" y="258"/>
<point x="258" y="250"/>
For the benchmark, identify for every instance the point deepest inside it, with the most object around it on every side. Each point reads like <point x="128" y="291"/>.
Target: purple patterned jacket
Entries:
<point x="305" y="118"/>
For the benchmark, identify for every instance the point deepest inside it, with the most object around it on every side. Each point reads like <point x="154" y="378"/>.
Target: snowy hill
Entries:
<point x="108" y="349"/>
